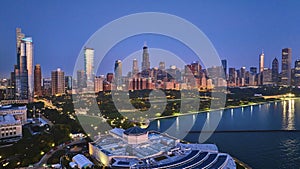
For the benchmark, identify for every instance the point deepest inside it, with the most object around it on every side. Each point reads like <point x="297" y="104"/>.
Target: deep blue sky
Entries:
<point x="238" y="29"/>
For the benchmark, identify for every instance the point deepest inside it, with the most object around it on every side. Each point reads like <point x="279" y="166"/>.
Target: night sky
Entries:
<point x="239" y="30"/>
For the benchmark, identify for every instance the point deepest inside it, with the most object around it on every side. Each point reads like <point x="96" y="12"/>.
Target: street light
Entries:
<point x="5" y="164"/>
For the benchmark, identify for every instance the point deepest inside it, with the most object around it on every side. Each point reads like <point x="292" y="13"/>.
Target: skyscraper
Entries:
<point x="81" y="79"/>
<point x="17" y="74"/>
<point x="58" y="82"/>
<point x="275" y="70"/>
<point x="286" y="73"/>
<point x="195" y="68"/>
<point x="297" y="73"/>
<point x="89" y="69"/>
<point x="24" y="81"/>
<point x="19" y="37"/>
<point x="224" y="64"/>
<point x="89" y="63"/>
<point x="261" y="62"/>
<point x="162" y="66"/>
<point x="145" y="62"/>
<point x="118" y="69"/>
<point x="109" y="77"/>
<point x="232" y="77"/>
<point x="47" y="87"/>
<point x="37" y="80"/>
<point x="118" y="73"/>
<point x="135" y="67"/>
<point x="29" y="60"/>
<point x="99" y="84"/>
<point x="22" y="74"/>
<point x="243" y="72"/>
<point x="68" y="83"/>
<point x="266" y="77"/>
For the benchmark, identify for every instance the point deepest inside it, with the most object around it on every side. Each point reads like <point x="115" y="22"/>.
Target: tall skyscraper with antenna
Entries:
<point x="261" y="61"/>
<point x="23" y="71"/>
<point x="17" y="74"/>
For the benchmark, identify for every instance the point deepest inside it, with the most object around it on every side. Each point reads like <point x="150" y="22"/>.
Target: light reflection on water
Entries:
<point x="288" y="114"/>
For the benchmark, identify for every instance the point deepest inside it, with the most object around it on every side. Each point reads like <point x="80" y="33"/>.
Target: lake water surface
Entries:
<point x="262" y="149"/>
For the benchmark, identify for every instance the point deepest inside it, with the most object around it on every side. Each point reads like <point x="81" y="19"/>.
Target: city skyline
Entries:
<point x="146" y="59"/>
<point x="260" y="64"/>
<point x="23" y="85"/>
<point x="245" y="35"/>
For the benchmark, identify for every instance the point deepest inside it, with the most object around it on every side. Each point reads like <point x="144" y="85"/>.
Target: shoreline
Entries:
<point x="218" y="109"/>
<point x="241" y="163"/>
